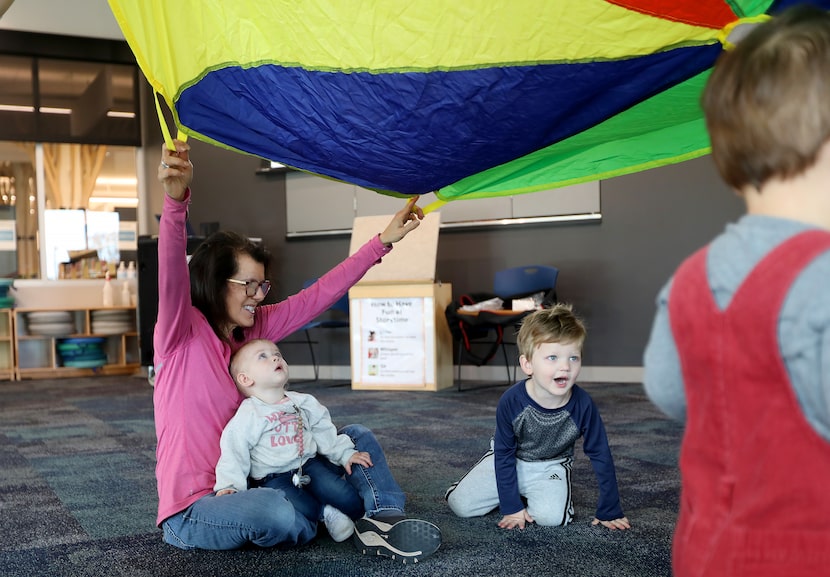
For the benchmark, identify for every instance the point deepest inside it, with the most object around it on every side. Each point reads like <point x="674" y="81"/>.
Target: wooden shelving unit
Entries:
<point x="7" y="364"/>
<point x="35" y="356"/>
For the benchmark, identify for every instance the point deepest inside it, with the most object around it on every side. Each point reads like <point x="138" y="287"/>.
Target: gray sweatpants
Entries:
<point x="546" y="485"/>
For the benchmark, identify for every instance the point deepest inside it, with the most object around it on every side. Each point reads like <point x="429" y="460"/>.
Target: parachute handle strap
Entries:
<point x="438" y="203"/>
<point x="165" y="131"/>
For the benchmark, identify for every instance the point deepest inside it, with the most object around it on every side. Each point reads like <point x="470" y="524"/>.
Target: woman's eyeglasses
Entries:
<point x="251" y="286"/>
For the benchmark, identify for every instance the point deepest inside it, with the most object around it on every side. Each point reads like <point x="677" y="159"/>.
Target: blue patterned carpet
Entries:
<point x="78" y="498"/>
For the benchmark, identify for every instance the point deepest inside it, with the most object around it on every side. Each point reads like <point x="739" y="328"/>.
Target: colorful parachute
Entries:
<point x="471" y="98"/>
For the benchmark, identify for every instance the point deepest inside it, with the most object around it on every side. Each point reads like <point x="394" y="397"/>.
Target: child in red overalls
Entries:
<point x="740" y="347"/>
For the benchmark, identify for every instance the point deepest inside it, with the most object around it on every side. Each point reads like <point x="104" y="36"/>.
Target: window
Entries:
<point x="17" y="98"/>
<point x="69" y="111"/>
<point x="50" y="100"/>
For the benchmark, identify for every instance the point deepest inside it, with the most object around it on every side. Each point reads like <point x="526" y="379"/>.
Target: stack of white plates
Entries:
<point x="50" y="323"/>
<point x="111" y="322"/>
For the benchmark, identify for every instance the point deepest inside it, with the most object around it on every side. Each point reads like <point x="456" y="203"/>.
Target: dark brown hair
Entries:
<point x="213" y="262"/>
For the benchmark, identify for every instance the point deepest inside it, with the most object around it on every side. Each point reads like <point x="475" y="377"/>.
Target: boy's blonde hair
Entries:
<point x="766" y="102"/>
<point x="558" y="324"/>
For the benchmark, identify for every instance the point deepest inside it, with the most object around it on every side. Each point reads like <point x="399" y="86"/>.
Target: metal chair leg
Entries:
<point x="313" y="357"/>
<point x="460" y="358"/>
<point x="506" y="363"/>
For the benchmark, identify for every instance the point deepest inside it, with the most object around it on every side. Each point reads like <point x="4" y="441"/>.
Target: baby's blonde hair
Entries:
<point x="236" y="361"/>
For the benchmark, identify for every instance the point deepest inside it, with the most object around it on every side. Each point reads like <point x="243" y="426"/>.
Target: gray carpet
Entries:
<point x="77" y="490"/>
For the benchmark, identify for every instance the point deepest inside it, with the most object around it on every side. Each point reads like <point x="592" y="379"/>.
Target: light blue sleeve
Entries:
<point x="663" y="378"/>
<point x="804" y="339"/>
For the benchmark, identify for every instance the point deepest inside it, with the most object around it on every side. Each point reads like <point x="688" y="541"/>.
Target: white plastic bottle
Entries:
<point x="131" y="270"/>
<point x="121" y="273"/>
<point x="125" y="294"/>
<point x="108" y="302"/>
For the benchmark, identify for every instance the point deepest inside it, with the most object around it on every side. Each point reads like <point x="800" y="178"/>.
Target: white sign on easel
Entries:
<point x="393" y="310"/>
<point x="396" y="338"/>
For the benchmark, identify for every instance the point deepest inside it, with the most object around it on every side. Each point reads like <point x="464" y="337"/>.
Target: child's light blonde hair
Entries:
<point x="558" y="324"/>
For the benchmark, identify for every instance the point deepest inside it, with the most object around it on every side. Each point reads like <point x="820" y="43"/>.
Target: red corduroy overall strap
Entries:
<point x="754" y="473"/>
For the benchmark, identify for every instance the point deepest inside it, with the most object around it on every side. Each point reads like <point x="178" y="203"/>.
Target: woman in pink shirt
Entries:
<point x="206" y="311"/>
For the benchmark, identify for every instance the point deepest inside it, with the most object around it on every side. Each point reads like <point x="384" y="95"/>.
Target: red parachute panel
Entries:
<point x="710" y="13"/>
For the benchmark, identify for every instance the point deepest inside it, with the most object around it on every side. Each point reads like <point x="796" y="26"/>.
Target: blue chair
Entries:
<point x="337" y="318"/>
<point x="522" y="281"/>
<point x="488" y="327"/>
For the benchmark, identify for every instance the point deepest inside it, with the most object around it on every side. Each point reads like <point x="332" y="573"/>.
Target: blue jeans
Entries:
<point x="375" y="485"/>
<point x="327" y="487"/>
<point x="265" y="517"/>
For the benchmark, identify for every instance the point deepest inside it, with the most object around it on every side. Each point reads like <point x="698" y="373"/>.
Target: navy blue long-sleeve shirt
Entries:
<point x="527" y="431"/>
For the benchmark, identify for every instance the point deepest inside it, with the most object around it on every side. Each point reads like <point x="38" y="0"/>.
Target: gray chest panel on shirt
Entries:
<point x="544" y="436"/>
